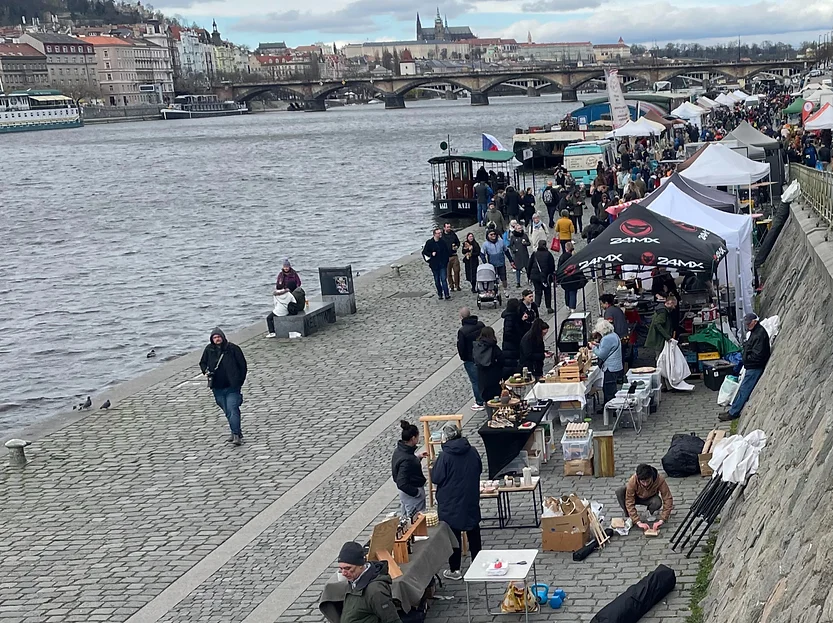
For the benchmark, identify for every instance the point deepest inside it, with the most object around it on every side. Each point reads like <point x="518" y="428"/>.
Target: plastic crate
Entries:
<point x="576" y="449"/>
<point x="570" y="415"/>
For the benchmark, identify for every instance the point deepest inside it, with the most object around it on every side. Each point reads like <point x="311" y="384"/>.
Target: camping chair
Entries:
<point x="627" y="403"/>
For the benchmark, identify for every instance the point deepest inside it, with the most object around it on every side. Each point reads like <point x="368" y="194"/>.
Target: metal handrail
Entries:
<point x="816" y="189"/>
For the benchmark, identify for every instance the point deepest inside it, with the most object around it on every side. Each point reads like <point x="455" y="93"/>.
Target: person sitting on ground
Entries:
<point x="368" y="597"/>
<point x="756" y="352"/>
<point x="287" y="276"/>
<point x="533" y="351"/>
<point x="646" y="488"/>
<point x="456" y="474"/>
<point x="608" y="350"/>
<point x="284" y="304"/>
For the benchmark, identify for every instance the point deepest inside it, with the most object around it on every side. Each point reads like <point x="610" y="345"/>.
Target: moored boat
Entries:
<point x="453" y="177"/>
<point x="199" y="106"/>
<point x="24" y="111"/>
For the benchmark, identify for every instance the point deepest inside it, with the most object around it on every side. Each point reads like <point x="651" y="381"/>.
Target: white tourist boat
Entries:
<point x="23" y="111"/>
<point x="199" y="106"/>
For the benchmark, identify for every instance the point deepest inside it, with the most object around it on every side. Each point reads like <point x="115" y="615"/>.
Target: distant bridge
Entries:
<point x="480" y="83"/>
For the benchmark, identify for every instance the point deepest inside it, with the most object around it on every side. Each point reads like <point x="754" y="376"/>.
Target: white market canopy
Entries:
<point x="821" y="120"/>
<point x="815" y="96"/>
<point x="687" y="110"/>
<point x="642" y="127"/>
<point x="736" y="229"/>
<point x="718" y="165"/>
<point x="725" y="100"/>
<point x="705" y="102"/>
<point x="752" y="100"/>
<point x="740" y="94"/>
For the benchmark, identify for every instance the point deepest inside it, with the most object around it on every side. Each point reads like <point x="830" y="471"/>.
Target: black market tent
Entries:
<point x="642" y="238"/>
<point x="717" y="199"/>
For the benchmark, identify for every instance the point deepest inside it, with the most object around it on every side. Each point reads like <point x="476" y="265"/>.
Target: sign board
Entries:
<point x="806" y="111"/>
<point x="584" y="162"/>
<point x="619" y="111"/>
<point x="147" y="88"/>
<point x="527" y="154"/>
<point x="582" y="123"/>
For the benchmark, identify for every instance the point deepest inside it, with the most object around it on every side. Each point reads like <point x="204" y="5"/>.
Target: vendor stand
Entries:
<point x="427" y="558"/>
<point x="504" y="438"/>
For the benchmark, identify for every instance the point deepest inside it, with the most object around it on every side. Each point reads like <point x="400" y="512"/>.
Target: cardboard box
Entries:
<point x="567" y="533"/>
<point x="704" y="458"/>
<point x="562" y="541"/>
<point x="579" y="467"/>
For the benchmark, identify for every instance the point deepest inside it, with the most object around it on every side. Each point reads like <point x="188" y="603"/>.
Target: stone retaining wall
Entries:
<point x="773" y="560"/>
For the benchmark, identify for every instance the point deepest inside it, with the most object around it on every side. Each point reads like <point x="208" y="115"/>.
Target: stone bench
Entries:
<point x="315" y="317"/>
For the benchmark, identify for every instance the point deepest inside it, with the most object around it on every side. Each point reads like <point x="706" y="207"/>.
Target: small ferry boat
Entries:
<point x="198" y="106"/>
<point x="22" y="111"/>
<point x="453" y="178"/>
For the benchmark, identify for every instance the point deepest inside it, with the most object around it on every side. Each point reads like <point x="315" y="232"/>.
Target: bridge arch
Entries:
<point x="432" y="79"/>
<point x="255" y="91"/>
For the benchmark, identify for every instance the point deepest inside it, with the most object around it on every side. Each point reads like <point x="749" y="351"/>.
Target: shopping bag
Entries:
<point x="672" y="365"/>
<point x="555" y="245"/>
<point x="728" y="390"/>
<point x="518" y="599"/>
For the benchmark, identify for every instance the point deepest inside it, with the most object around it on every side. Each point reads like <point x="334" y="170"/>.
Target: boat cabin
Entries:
<point x="453" y="178"/>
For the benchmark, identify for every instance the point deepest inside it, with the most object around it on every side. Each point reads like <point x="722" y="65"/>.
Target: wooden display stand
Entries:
<point x="603" y="461"/>
<point x="400" y="548"/>
<point x="383" y="543"/>
<point x="430" y="445"/>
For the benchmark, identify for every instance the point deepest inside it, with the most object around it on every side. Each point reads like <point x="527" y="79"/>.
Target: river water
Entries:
<point x="118" y="239"/>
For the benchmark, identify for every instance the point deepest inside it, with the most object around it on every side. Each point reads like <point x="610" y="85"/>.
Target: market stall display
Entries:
<point x="821" y="120"/>
<point x="645" y="239"/>
<point x="503" y="443"/>
<point x="735" y="229"/>
<point x="427" y="558"/>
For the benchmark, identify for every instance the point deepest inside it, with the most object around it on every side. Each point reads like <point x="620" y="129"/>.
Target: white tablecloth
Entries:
<point x="567" y="391"/>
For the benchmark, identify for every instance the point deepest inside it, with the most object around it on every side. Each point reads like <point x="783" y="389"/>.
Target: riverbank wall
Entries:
<point x="773" y="559"/>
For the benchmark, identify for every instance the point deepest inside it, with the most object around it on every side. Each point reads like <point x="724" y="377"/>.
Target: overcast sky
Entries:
<point x="300" y="22"/>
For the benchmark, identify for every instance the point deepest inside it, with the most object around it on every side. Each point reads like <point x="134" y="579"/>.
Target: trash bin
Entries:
<point x="337" y="288"/>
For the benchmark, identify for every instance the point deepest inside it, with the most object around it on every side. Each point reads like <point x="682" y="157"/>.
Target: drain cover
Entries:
<point x="408" y="295"/>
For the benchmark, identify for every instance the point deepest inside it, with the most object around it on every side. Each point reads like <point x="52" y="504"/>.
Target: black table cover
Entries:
<point x="504" y="444"/>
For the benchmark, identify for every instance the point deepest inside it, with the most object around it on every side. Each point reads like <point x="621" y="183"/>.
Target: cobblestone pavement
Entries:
<point x="114" y="509"/>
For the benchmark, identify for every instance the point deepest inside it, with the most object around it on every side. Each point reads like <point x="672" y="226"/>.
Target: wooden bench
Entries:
<point x="315" y="317"/>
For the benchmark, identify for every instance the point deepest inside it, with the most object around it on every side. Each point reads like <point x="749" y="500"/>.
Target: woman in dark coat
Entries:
<point x="471" y="259"/>
<point x="533" y="352"/>
<point x="489" y="360"/>
<point x="456" y="474"/>
<point x="573" y="283"/>
<point x="512" y="334"/>
<point x="406" y="470"/>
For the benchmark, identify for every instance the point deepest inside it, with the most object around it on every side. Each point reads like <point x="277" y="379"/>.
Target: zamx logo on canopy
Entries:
<point x="648" y="259"/>
<point x="636" y="227"/>
<point x="685" y="226"/>
<point x="572" y="268"/>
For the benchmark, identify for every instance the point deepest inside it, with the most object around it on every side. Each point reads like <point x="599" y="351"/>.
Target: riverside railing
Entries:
<point x="816" y="189"/>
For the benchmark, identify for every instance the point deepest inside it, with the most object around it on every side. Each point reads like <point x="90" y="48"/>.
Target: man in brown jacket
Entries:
<point x="646" y="488"/>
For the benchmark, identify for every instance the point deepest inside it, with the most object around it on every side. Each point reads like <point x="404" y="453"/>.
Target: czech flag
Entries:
<point x="490" y="143"/>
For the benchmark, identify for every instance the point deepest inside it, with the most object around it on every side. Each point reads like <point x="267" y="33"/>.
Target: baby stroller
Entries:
<point x="488" y="286"/>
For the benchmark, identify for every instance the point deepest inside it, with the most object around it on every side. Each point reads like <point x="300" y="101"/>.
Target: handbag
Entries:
<point x="555" y="245"/>
<point x="210" y="374"/>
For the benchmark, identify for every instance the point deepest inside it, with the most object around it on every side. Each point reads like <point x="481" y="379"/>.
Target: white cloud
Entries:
<point x="673" y="21"/>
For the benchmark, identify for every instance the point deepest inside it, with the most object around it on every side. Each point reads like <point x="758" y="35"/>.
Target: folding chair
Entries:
<point x="627" y="404"/>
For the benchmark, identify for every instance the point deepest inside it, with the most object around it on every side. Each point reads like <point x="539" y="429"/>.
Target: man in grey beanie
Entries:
<point x="368" y="598"/>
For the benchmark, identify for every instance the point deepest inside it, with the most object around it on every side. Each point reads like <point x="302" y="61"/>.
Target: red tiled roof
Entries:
<point x="104" y="41"/>
<point x="19" y="49"/>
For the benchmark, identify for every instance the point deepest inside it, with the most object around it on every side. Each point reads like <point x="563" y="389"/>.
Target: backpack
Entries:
<point x="292" y="308"/>
<point x="548" y="196"/>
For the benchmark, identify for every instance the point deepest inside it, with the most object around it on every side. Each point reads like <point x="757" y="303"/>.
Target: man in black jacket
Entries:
<point x="436" y="253"/>
<point x="541" y="270"/>
<point x="226" y="368"/>
<point x="466" y="335"/>
<point x="755" y="357"/>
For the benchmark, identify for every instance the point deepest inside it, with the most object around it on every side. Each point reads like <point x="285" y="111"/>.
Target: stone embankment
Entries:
<point x="774" y="561"/>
